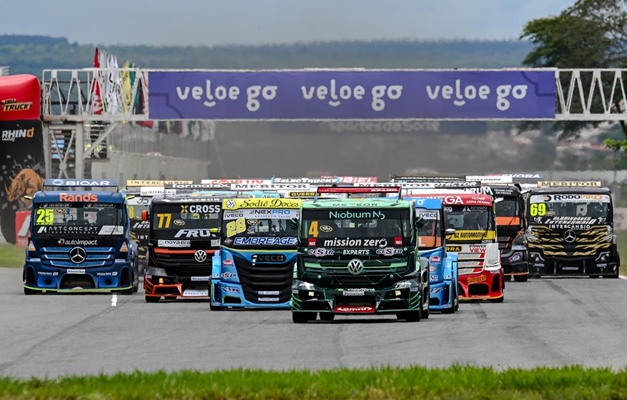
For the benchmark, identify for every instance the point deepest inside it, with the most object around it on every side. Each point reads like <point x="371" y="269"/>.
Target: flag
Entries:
<point x="127" y="94"/>
<point x="95" y="86"/>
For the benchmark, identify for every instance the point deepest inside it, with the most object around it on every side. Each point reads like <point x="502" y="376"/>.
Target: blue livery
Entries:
<point x="255" y="263"/>
<point x="432" y="246"/>
<point x="80" y="240"/>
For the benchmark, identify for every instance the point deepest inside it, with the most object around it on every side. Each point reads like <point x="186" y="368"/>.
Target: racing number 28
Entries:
<point x="45" y="216"/>
<point x="537" y="210"/>
<point x="235" y="227"/>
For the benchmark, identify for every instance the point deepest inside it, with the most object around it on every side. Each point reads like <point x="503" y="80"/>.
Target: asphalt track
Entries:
<point x="545" y="322"/>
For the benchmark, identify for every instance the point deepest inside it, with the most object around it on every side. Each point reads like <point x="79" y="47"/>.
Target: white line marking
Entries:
<point x="114" y="299"/>
<point x="622" y="277"/>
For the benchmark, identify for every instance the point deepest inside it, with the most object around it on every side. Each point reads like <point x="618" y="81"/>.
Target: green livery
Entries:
<point x="358" y="257"/>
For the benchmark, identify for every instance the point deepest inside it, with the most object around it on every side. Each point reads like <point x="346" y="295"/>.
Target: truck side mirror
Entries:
<point x="144" y="215"/>
<point x="294" y="224"/>
<point x="420" y="222"/>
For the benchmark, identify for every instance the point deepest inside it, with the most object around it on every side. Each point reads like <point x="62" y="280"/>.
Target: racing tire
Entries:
<point x="499" y="300"/>
<point x="151" y="299"/>
<point x="454" y="304"/>
<point x="521" y="278"/>
<point x="594" y="276"/>
<point x="215" y="308"/>
<point x="28" y="291"/>
<point x="327" y="316"/>
<point x="127" y="292"/>
<point x="424" y="312"/>
<point x="410" y="316"/>
<point x="302" y="317"/>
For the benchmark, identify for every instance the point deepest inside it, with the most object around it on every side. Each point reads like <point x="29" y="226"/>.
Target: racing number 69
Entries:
<point x="537" y="209"/>
<point x="235" y="227"/>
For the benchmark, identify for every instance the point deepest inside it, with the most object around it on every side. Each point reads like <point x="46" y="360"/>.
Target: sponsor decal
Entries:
<point x="473" y="235"/>
<point x="477" y="248"/>
<point x="228" y="275"/>
<point x="196" y="293"/>
<point x="435" y="290"/>
<point x="141" y="225"/>
<point x="268" y="299"/>
<point x="389" y="251"/>
<point x="227" y="262"/>
<point x="435" y="259"/>
<point x="434" y="277"/>
<point x="111" y="230"/>
<point x="9" y="105"/>
<point x="481" y="278"/>
<point x="75" y="271"/>
<point x="11" y="134"/>
<point x="349" y="292"/>
<point x="178" y="222"/>
<point x="77" y="242"/>
<point x="429" y="215"/>
<point x="432" y="268"/>
<point x="320" y="252"/>
<point x="194" y="233"/>
<point x="114" y="273"/>
<point x="174" y="243"/>
<point x="200" y="278"/>
<point x="262" y="203"/>
<point x="356" y="215"/>
<point x="200" y="208"/>
<point x="82" y="198"/>
<point x="348" y="242"/>
<point x="265" y="241"/>
<point x="269" y="292"/>
<point x="326" y="228"/>
<point x="229" y="289"/>
<point x="355" y="252"/>
<point x="453" y="249"/>
<point x="268" y="258"/>
<point x="354" y="309"/>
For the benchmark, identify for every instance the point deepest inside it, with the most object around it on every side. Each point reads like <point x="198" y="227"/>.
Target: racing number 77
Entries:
<point x="164" y="220"/>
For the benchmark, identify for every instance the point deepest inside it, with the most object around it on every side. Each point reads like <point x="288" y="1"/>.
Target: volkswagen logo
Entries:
<point x="570" y="236"/>
<point x="200" y="256"/>
<point x="78" y="255"/>
<point x="355" y="266"/>
<point x="230" y="203"/>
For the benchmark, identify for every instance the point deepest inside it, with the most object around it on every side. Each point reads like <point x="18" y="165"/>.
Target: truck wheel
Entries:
<point x="410" y="316"/>
<point x="327" y="316"/>
<point x="424" y="311"/>
<point x="215" y="308"/>
<point x="302" y="317"/>
<point x="28" y="291"/>
<point x="521" y="278"/>
<point x="454" y="304"/>
<point x="499" y="300"/>
<point x="150" y="299"/>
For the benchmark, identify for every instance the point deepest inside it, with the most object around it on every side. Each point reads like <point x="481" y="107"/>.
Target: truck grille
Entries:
<point x="552" y="244"/>
<point x="269" y="281"/>
<point x="60" y="257"/>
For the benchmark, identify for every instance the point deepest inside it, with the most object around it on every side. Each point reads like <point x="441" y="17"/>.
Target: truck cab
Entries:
<point x="570" y="230"/>
<point x="80" y="239"/>
<point x="358" y="256"/>
<point x="253" y="268"/>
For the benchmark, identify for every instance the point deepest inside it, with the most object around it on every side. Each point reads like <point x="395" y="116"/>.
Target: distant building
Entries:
<point x="4" y="71"/>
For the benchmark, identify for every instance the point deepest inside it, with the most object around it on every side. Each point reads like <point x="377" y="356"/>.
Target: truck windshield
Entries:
<point x="429" y="234"/>
<point x="507" y="207"/>
<point x="269" y="226"/>
<point x="355" y="227"/>
<point x="184" y="221"/>
<point x="469" y="218"/>
<point x="567" y="209"/>
<point x="78" y="218"/>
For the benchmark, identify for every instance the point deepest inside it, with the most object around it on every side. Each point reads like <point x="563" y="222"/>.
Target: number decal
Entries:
<point x="164" y="220"/>
<point x="131" y="212"/>
<point x="313" y="229"/>
<point x="45" y="216"/>
<point x="235" y="227"/>
<point x="537" y="209"/>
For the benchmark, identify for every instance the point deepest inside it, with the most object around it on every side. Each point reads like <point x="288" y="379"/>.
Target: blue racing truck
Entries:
<point x="253" y="268"/>
<point x="432" y="234"/>
<point x="80" y="240"/>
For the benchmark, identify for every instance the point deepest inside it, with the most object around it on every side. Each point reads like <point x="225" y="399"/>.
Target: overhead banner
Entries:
<point x="353" y="95"/>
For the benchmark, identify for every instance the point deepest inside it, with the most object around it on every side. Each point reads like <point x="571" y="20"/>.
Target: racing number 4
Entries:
<point x="235" y="227"/>
<point x="164" y="220"/>
<point x="537" y="210"/>
<point x="45" y="216"/>
<point x="313" y="229"/>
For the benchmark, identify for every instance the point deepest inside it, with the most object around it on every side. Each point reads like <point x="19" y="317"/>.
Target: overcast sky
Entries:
<point x="214" y="22"/>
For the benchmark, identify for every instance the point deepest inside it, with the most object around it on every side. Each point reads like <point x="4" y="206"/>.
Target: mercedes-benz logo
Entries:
<point x="570" y="236"/>
<point x="200" y="256"/>
<point x="78" y="255"/>
<point x="355" y="266"/>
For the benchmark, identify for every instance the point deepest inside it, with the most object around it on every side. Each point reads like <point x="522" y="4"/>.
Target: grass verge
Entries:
<point x="622" y="247"/>
<point x="457" y="382"/>
<point x="11" y="256"/>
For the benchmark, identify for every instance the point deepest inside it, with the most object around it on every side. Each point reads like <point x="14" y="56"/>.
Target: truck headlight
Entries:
<point x="300" y="285"/>
<point x="516" y="257"/>
<point x="536" y="257"/>
<point x="603" y="257"/>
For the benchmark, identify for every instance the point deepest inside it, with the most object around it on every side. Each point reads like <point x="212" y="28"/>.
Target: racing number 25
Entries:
<point x="537" y="210"/>
<point x="45" y="216"/>
<point x="235" y="227"/>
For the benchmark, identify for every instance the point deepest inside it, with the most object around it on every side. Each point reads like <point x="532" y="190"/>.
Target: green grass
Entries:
<point x="11" y="256"/>
<point x="572" y="382"/>
<point x="622" y="247"/>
